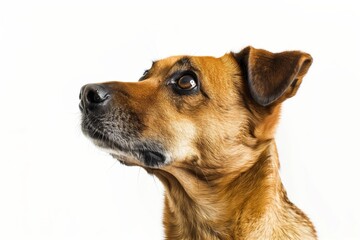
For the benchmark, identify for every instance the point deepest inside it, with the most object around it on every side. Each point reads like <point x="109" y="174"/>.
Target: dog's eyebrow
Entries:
<point x="180" y="65"/>
<point x="184" y="62"/>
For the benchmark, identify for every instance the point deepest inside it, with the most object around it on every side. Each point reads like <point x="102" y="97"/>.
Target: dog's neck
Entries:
<point x="198" y="207"/>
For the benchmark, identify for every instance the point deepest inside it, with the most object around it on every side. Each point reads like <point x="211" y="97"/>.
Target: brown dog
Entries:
<point x="205" y="127"/>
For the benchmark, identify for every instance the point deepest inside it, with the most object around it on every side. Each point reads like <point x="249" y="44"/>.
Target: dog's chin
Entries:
<point x="124" y="157"/>
<point x="142" y="158"/>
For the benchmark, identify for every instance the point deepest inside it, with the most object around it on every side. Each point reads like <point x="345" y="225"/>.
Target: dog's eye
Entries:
<point x="187" y="82"/>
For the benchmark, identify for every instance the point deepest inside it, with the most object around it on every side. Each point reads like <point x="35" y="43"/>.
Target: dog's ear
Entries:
<point x="272" y="76"/>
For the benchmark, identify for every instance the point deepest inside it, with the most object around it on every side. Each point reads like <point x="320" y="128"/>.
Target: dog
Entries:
<point x="205" y="127"/>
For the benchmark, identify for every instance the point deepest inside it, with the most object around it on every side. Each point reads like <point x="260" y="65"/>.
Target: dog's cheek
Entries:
<point x="182" y="146"/>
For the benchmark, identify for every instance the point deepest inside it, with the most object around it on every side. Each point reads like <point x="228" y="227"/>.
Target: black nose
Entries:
<point x="93" y="96"/>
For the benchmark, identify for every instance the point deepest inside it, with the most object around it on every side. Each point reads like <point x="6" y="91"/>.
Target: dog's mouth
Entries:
<point x="130" y="152"/>
<point x="150" y="158"/>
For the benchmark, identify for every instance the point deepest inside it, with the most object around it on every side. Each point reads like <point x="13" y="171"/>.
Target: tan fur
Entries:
<point x="223" y="180"/>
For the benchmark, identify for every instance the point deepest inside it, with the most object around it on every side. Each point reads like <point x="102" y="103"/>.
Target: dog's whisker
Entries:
<point x="112" y="165"/>
<point x="157" y="187"/>
<point x="138" y="175"/>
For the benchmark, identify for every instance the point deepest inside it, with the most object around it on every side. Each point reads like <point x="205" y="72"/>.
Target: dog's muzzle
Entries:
<point x="114" y="127"/>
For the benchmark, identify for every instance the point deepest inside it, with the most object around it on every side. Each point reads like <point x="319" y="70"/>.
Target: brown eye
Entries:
<point x="186" y="82"/>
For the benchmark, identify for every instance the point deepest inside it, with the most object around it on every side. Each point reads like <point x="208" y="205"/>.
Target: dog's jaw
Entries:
<point x="131" y="152"/>
<point x="135" y="157"/>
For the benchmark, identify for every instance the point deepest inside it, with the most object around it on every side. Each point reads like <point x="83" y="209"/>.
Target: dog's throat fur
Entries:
<point x="258" y="202"/>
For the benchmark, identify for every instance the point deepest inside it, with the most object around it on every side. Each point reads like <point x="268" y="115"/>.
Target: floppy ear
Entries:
<point x="272" y="76"/>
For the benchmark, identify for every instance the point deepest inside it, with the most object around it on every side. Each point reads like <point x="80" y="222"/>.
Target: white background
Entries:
<point x="54" y="184"/>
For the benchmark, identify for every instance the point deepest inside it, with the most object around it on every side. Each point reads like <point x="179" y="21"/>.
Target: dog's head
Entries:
<point x="190" y="111"/>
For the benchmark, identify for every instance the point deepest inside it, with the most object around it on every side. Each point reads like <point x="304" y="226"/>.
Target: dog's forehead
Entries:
<point x="169" y="61"/>
<point x="199" y="62"/>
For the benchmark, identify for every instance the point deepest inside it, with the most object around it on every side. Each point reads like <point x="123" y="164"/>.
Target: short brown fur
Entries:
<point x="222" y="181"/>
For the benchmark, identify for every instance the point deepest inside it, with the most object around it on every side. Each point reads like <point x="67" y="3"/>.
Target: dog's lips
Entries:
<point x="132" y="157"/>
<point x="153" y="158"/>
<point x="124" y="158"/>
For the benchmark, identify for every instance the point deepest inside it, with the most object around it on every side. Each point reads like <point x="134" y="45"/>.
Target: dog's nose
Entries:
<point x="93" y="96"/>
